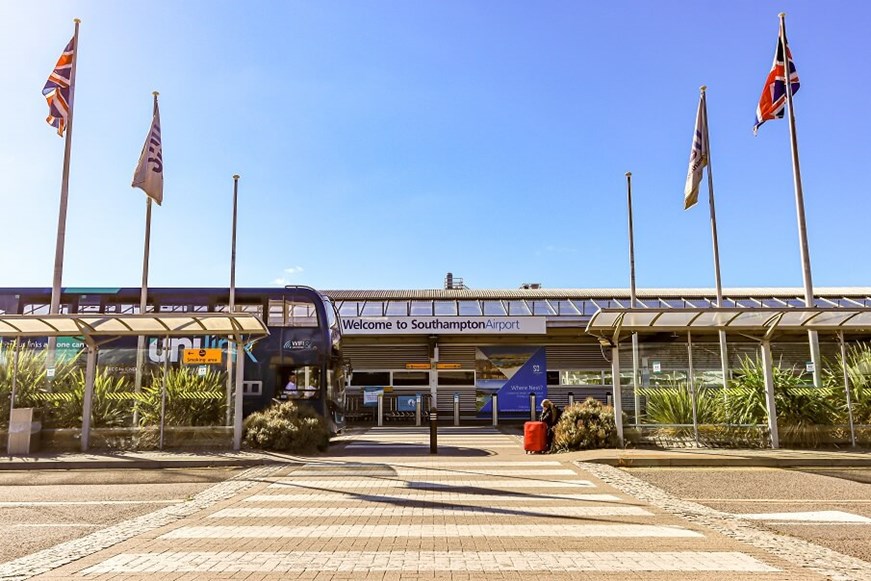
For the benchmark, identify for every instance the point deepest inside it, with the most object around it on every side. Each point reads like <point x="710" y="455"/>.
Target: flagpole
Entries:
<point x="143" y="295"/>
<point x="799" y="204"/>
<point x="724" y="353"/>
<point x="632" y="300"/>
<point x="54" y="308"/>
<point x="232" y="292"/>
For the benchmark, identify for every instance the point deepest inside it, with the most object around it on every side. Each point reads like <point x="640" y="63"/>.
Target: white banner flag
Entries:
<point x="698" y="158"/>
<point x="149" y="171"/>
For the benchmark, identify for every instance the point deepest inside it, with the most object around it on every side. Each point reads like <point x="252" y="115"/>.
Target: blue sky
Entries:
<point x="382" y="144"/>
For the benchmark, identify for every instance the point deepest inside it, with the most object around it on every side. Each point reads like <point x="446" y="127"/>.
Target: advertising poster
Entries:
<point x="370" y="395"/>
<point x="511" y="372"/>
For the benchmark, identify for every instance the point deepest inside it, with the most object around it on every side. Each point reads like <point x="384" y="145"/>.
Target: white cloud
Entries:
<point x="288" y="273"/>
<point x="293" y="270"/>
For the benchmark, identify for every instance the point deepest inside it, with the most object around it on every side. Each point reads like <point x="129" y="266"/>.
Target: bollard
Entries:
<point x="571" y="398"/>
<point x="456" y="409"/>
<point x="532" y="417"/>
<point x="380" y="409"/>
<point x="495" y="401"/>
<point x="417" y="410"/>
<point x="609" y="399"/>
<point x="433" y="435"/>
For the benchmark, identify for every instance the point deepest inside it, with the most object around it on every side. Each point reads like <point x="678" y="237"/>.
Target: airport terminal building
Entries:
<point x="470" y="344"/>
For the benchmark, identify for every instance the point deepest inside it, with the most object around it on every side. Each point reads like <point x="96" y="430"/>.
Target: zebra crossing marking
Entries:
<point x="402" y="560"/>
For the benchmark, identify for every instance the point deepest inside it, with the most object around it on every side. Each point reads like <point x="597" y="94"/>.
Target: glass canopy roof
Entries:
<point x="758" y="321"/>
<point x="154" y="325"/>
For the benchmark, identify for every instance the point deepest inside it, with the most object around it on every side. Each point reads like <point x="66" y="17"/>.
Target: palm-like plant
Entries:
<point x="191" y="399"/>
<point x="859" y="375"/>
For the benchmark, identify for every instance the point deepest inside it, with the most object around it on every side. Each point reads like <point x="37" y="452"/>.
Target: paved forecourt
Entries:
<point x="481" y="509"/>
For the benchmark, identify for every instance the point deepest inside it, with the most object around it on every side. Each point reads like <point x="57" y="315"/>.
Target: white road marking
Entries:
<point x="415" y="496"/>
<point x="20" y="504"/>
<point x="427" y="531"/>
<point x="412" y="472"/>
<point x="412" y="511"/>
<point x="821" y="516"/>
<point x="376" y="482"/>
<point x="413" y="561"/>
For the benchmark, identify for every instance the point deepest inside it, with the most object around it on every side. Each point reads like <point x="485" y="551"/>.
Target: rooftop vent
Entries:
<point x="530" y="285"/>
<point x="453" y="283"/>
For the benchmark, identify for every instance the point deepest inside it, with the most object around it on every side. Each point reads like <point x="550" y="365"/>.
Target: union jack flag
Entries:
<point x="57" y="89"/>
<point x="772" y="103"/>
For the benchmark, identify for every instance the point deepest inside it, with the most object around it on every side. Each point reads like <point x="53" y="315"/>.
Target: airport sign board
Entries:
<point x="444" y="325"/>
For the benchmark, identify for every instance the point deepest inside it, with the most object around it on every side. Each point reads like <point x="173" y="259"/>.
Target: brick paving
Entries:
<point x="380" y="508"/>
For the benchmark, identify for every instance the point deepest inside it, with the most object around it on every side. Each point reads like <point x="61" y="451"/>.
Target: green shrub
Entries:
<point x="33" y="387"/>
<point x="191" y="399"/>
<point x="673" y="404"/>
<point x="801" y="409"/>
<point x="585" y="425"/>
<point x="287" y="427"/>
<point x="859" y="374"/>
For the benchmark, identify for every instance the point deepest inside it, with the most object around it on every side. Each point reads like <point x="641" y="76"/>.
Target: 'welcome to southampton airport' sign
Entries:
<point x="444" y="325"/>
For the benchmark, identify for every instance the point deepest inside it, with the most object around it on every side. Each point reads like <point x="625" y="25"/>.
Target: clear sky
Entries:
<point x="383" y="143"/>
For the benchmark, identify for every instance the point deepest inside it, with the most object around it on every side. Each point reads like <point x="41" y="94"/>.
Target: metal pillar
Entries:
<point x="88" y="399"/>
<point x="691" y="384"/>
<point x="456" y="409"/>
<point x="571" y="398"/>
<point x="417" y="406"/>
<point x="532" y="407"/>
<point x="617" y="400"/>
<point x="847" y="388"/>
<point x="769" y="394"/>
<point x="495" y="402"/>
<point x="433" y="431"/>
<point x="380" y="421"/>
<point x="237" y="409"/>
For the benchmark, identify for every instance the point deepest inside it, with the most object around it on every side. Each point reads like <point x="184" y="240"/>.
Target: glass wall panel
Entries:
<point x="370" y="378"/>
<point x="373" y="309"/>
<point x="401" y="378"/>
<point x="469" y="308"/>
<point x="456" y="378"/>
<point x="518" y="308"/>
<point x="580" y="377"/>
<point x="446" y="308"/>
<point x="397" y="308"/>
<point x="494" y="308"/>
<point x="421" y="308"/>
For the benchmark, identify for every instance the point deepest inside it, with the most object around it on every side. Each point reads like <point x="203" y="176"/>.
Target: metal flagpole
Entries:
<point x="143" y="295"/>
<point x="632" y="300"/>
<point x="799" y="205"/>
<point x="232" y="296"/>
<point x="54" y="308"/>
<point x="724" y="353"/>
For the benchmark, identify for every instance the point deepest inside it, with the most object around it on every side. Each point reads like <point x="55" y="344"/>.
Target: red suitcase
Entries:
<point x="535" y="437"/>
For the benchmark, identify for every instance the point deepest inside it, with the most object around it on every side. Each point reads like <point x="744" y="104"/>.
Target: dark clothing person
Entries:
<point x="550" y="416"/>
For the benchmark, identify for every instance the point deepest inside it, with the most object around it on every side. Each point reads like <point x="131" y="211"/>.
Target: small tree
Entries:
<point x="585" y="425"/>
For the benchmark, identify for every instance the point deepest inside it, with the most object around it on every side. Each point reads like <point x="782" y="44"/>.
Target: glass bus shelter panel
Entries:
<point x="861" y="321"/>
<point x="469" y="308"/>
<point x="421" y="308"/>
<point x="645" y="319"/>
<point x="834" y="319"/>
<point x="516" y="308"/>
<point x="753" y="319"/>
<point x="397" y="308"/>
<point x="446" y="308"/>
<point x="711" y="319"/>
<point x="796" y="319"/>
<point x="494" y="308"/>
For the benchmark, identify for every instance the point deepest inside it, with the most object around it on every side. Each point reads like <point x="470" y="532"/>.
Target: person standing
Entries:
<point x="290" y="389"/>
<point x="550" y="416"/>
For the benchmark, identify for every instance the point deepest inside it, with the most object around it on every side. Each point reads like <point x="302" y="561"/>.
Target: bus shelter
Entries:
<point x="97" y="330"/>
<point x="762" y="325"/>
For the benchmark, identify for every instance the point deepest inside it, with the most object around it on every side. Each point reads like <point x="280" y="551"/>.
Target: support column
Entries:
<point x="769" y="394"/>
<point x="237" y="410"/>
<point x="617" y="399"/>
<point x="88" y="399"/>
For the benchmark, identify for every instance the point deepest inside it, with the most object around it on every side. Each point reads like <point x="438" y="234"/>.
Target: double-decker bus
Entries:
<point x="304" y="344"/>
